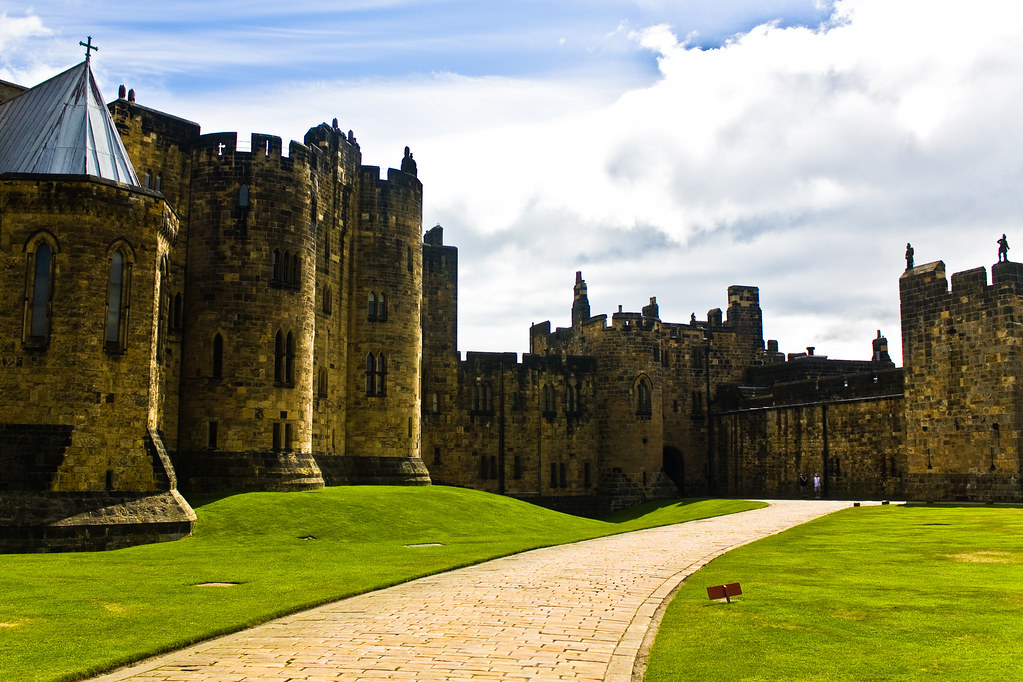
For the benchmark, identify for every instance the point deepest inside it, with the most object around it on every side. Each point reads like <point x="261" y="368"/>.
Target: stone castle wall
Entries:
<point x="962" y="357"/>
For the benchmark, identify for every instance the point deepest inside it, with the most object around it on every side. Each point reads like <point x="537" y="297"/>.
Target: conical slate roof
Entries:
<point x="62" y="127"/>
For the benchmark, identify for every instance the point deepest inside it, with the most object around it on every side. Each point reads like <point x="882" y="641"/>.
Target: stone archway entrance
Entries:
<point x="674" y="467"/>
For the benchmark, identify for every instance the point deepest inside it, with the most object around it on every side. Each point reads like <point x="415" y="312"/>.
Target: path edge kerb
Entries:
<point x="629" y="659"/>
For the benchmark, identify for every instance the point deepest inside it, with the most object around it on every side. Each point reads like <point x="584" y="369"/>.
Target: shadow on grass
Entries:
<point x="633" y="513"/>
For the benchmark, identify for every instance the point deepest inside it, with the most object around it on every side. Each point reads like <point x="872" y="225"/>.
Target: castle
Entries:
<point x="177" y="311"/>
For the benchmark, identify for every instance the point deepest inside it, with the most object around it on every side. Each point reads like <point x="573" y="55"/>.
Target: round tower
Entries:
<point x="385" y="330"/>
<point x="247" y="361"/>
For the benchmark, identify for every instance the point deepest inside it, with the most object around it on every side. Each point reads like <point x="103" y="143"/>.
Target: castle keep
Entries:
<point x="180" y="309"/>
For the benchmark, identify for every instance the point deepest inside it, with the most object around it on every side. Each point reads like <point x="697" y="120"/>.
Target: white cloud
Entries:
<point x="800" y="159"/>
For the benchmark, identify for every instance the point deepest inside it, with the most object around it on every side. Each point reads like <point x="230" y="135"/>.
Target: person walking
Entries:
<point x="817" y="485"/>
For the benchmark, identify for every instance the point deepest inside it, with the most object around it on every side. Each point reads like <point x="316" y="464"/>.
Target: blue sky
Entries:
<point x="664" y="148"/>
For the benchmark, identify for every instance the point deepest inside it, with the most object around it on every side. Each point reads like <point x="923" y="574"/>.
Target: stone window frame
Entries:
<point x="119" y="278"/>
<point x="285" y="269"/>
<point x="376" y="306"/>
<point x="284" y="359"/>
<point x="163" y="321"/>
<point x="376" y="375"/>
<point x="39" y="302"/>
<point x="643" y="390"/>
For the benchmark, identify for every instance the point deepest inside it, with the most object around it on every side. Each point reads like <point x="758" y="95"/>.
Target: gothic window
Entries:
<point x="376" y="374"/>
<point x="289" y="360"/>
<point x="381" y="307"/>
<point x="372" y="305"/>
<point x="643" y="404"/>
<point x="572" y="399"/>
<point x="218" y="356"/>
<point x="163" y="315"/>
<point x="381" y="373"/>
<point x="118" y="297"/>
<point x="38" y="292"/>
<point x="371" y="368"/>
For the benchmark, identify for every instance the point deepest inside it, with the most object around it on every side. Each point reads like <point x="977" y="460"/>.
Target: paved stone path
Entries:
<point x="577" y="612"/>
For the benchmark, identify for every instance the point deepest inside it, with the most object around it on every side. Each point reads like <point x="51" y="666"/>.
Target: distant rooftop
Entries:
<point x="62" y="127"/>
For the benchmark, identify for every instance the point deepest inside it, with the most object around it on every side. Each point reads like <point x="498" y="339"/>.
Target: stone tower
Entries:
<point x="385" y="338"/>
<point x="85" y="249"/>
<point x="247" y="370"/>
<point x="961" y="352"/>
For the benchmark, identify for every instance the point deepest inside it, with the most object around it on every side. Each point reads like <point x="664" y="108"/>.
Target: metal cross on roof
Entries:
<point x="89" y="47"/>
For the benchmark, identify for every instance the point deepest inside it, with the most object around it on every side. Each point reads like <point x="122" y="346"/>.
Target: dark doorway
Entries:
<point x="674" y="466"/>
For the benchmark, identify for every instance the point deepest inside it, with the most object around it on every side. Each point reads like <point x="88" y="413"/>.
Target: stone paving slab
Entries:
<point x="573" y="612"/>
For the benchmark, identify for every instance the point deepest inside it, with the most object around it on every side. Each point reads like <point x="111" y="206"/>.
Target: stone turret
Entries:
<point x="386" y="335"/>
<point x="580" y="301"/>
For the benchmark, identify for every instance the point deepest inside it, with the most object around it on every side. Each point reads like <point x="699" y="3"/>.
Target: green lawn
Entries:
<point x="873" y="593"/>
<point x="65" y="616"/>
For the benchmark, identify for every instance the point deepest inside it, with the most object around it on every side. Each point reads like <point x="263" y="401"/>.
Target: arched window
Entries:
<point x="381" y="307"/>
<point x="372" y="305"/>
<point x="118" y="297"/>
<point x="159" y="182"/>
<point x="279" y="357"/>
<point x="289" y="360"/>
<point x="163" y="315"/>
<point x="376" y="374"/>
<point x="243" y="196"/>
<point x="218" y="356"/>
<point x="643" y="404"/>
<point x="381" y="374"/>
<point x="38" y="293"/>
